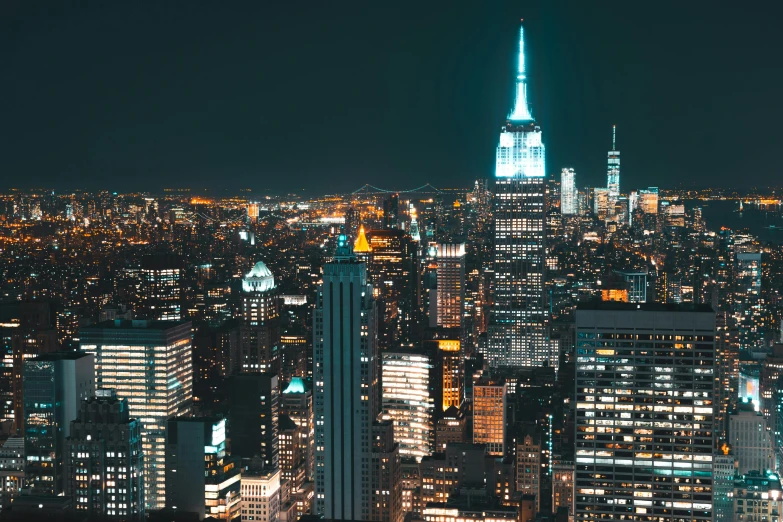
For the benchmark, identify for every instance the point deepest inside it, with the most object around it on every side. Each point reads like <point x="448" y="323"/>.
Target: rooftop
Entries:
<point x="645" y="307"/>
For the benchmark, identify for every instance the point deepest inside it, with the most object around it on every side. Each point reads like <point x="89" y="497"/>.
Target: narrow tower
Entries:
<point x="520" y="318"/>
<point x="346" y="387"/>
<point x="613" y="172"/>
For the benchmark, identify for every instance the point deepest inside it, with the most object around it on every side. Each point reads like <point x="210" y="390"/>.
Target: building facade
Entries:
<point x="569" y="203"/>
<point x="346" y="373"/>
<point x="55" y="385"/>
<point x="104" y="464"/>
<point x="450" y="285"/>
<point x="644" y="412"/>
<point x="201" y="477"/>
<point x="150" y="364"/>
<point x="489" y="416"/>
<point x="259" y="331"/>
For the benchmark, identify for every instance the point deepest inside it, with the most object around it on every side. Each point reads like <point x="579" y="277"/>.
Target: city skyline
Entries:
<point x="211" y="94"/>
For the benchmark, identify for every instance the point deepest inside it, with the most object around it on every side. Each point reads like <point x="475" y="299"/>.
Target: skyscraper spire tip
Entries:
<point x="521" y="111"/>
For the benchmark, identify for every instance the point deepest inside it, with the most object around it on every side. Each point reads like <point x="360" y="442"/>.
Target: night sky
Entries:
<point x="327" y="96"/>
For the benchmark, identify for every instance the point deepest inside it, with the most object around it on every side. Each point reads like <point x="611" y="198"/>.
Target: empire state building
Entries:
<point x="519" y="323"/>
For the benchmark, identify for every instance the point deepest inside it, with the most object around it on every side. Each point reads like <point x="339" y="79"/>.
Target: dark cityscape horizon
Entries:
<point x="278" y="99"/>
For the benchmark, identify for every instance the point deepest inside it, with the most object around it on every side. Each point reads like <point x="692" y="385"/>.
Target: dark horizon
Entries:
<point x="146" y="96"/>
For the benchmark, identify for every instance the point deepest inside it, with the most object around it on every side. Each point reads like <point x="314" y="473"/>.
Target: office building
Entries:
<point x="385" y="473"/>
<point x="750" y="440"/>
<point x="450" y="287"/>
<point x="254" y="403"/>
<point x="489" y="415"/>
<point x="637" y="285"/>
<point x="519" y="324"/>
<point x="55" y="385"/>
<point x="260" y="492"/>
<point x="392" y="270"/>
<point x="613" y="170"/>
<point x="601" y="203"/>
<point x="27" y="332"/>
<point x="12" y="464"/>
<point x="448" y="383"/>
<point x="259" y="331"/>
<point x="451" y="428"/>
<point x="292" y="454"/>
<point x="528" y="480"/>
<point x="563" y="486"/>
<point x="758" y="497"/>
<point x="644" y="412"/>
<point x="296" y="402"/>
<point x="648" y="200"/>
<point x="471" y="505"/>
<point x="104" y="464"/>
<point x="408" y="399"/>
<point x="200" y="475"/>
<point x="749" y="274"/>
<point x="149" y="363"/>
<point x="346" y="369"/>
<point x="569" y="204"/>
<point x="161" y="287"/>
<point x="723" y="473"/>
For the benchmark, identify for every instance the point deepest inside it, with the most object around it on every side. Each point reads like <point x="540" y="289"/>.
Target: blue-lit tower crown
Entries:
<point x="521" y="150"/>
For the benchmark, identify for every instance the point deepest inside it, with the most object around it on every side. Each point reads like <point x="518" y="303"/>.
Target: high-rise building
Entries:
<point x="757" y="495"/>
<point x="529" y="469"/>
<point x="601" y="203"/>
<point x="12" y="464"/>
<point x="386" y="488"/>
<point x="259" y="344"/>
<point x="408" y="399"/>
<point x="519" y="327"/>
<point x="104" y="464"/>
<point x="161" y="287"/>
<point x="569" y="206"/>
<point x="648" y="200"/>
<point x="150" y="364"/>
<point x="750" y="440"/>
<point x="613" y="170"/>
<point x="30" y="331"/>
<point x="448" y="383"/>
<point x="489" y="415"/>
<point x="260" y="491"/>
<point x="450" y="285"/>
<point x="346" y="377"/>
<point x="637" y="285"/>
<point x="201" y="477"/>
<point x="723" y="473"/>
<point x="296" y="402"/>
<point x="55" y="385"/>
<point x="392" y="270"/>
<point x="254" y="402"/>
<point x="563" y="486"/>
<point x="644" y="412"/>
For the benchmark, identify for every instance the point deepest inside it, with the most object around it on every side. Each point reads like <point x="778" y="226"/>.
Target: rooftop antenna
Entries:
<point x="614" y="136"/>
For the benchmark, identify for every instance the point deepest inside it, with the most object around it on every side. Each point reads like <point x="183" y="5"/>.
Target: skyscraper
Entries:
<point x="519" y="328"/>
<point x="161" y="287"/>
<point x="104" y="466"/>
<point x="450" y="285"/>
<point x="613" y="171"/>
<point x="489" y="415"/>
<point x="346" y="387"/>
<point x="386" y="490"/>
<point x="253" y="413"/>
<point x="201" y="477"/>
<point x="408" y="400"/>
<point x="569" y="204"/>
<point x="259" y="331"/>
<point x="55" y="385"/>
<point x="150" y="364"/>
<point x="644" y="412"/>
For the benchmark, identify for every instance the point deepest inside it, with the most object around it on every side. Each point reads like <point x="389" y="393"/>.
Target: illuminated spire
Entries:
<point x="521" y="110"/>
<point x="361" y="246"/>
<point x="614" y="136"/>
